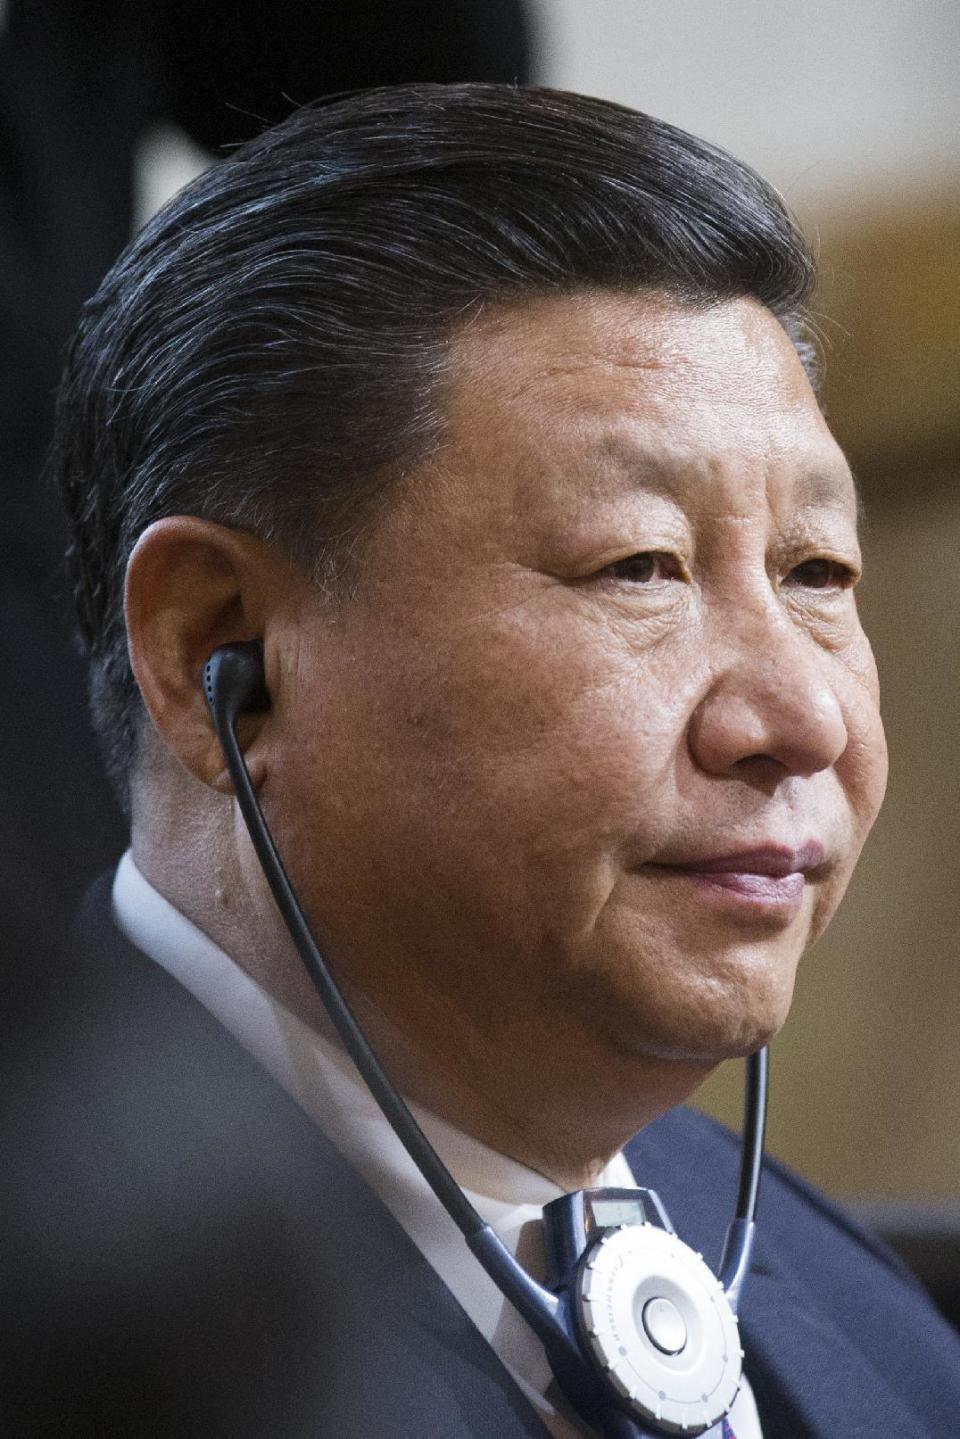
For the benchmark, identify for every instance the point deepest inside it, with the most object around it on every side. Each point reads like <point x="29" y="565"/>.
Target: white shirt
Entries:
<point x="320" y="1076"/>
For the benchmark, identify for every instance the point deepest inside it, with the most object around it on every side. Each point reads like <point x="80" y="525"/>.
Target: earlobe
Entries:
<point x="191" y="587"/>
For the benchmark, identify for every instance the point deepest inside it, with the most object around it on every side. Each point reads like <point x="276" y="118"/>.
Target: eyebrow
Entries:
<point x="861" y="502"/>
<point x="822" y="487"/>
<point x="655" y="470"/>
<point x="648" y="468"/>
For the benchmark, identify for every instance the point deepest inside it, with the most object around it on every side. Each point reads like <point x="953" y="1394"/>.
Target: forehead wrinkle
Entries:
<point x="543" y="386"/>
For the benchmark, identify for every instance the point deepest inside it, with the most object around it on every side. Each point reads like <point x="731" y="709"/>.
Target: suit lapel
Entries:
<point x="809" y="1378"/>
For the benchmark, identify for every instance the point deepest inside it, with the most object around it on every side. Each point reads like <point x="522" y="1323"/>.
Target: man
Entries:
<point x="487" y="413"/>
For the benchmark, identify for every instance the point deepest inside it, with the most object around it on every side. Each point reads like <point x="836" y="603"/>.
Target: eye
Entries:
<point x="822" y="574"/>
<point x="645" y="567"/>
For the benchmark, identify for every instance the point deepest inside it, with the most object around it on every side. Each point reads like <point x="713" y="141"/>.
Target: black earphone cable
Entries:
<point x="752" y="1137"/>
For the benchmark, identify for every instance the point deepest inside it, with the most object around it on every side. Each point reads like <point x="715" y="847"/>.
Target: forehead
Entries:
<point x="638" y="386"/>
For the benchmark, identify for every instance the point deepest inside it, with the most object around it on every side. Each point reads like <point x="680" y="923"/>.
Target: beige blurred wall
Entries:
<point x="831" y="101"/>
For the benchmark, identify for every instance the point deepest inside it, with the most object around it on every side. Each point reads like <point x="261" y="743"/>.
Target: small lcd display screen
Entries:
<point x="608" y="1213"/>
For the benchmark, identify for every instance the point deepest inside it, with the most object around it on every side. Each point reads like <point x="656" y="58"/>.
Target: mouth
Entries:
<point x="771" y="878"/>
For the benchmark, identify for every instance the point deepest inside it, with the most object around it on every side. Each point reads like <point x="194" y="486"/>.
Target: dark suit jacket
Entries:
<point x="184" y="1254"/>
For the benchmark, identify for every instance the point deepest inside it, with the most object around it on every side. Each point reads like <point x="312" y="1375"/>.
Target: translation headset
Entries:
<point x="641" y="1335"/>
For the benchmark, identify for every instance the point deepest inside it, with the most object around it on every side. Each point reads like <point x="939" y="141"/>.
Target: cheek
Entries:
<point x="487" y="790"/>
<point x="861" y="774"/>
<point x="862" y="769"/>
<point x="554" y="734"/>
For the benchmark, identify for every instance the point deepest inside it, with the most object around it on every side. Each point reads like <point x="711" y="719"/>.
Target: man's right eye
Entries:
<point x="646" y="566"/>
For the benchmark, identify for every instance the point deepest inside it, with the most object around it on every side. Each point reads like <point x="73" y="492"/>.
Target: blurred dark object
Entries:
<point x="80" y="81"/>
<point x="226" y="72"/>
<point x="926" y="1235"/>
<point x="74" y="96"/>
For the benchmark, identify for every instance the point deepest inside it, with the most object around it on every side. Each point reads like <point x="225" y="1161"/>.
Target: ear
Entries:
<point x="192" y="585"/>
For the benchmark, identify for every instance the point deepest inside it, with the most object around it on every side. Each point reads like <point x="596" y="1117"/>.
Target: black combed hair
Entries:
<point x="270" y="349"/>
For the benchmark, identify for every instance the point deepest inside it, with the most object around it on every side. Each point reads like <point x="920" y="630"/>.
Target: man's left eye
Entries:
<point x="821" y="574"/>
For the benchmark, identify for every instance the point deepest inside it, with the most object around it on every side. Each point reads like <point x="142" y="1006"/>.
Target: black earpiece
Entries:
<point x="234" y="682"/>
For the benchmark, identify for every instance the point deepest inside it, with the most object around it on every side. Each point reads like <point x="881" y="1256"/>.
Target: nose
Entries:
<point x="771" y="709"/>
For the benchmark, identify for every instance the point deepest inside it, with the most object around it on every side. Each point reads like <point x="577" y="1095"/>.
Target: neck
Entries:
<point x="544" y="1094"/>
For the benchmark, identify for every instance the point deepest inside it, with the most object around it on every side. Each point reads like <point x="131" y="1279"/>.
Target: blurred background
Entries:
<point x="852" y="108"/>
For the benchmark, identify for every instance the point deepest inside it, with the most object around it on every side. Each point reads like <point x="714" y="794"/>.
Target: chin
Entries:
<point x="703" y="1018"/>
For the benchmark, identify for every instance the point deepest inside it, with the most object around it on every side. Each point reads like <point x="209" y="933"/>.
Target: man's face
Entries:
<point x="597" y="743"/>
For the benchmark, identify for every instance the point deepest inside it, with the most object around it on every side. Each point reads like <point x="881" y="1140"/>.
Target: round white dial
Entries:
<point x="659" y="1324"/>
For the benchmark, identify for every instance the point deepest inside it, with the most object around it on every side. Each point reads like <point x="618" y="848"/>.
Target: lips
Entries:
<point x="774" y="860"/>
<point x="772" y="876"/>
